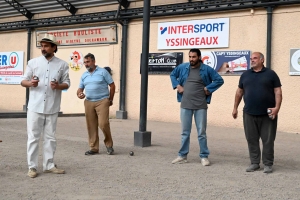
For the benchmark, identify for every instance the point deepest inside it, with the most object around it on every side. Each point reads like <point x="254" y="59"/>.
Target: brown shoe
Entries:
<point x="32" y="173"/>
<point x="55" y="170"/>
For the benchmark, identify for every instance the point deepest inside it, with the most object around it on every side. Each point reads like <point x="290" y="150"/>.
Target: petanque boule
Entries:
<point x="131" y="153"/>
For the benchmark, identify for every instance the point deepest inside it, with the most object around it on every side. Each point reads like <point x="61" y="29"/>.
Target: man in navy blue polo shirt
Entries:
<point x="98" y="99"/>
<point x="261" y="89"/>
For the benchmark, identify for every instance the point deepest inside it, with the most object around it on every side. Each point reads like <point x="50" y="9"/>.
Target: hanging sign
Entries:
<point x="208" y="33"/>
<point x="227" y="62"/>
<point x="11" y="67"/>
<point x="82" y="36"/>
<point x="163" y="63"/>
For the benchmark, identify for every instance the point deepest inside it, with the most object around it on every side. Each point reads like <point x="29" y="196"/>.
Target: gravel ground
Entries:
<point x="148" y="174"/>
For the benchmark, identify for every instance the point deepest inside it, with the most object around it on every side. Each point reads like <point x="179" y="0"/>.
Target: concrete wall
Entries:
<point x="247" y="32"/>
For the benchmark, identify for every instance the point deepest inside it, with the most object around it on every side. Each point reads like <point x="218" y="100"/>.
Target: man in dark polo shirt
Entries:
<point x="261" y="89"/>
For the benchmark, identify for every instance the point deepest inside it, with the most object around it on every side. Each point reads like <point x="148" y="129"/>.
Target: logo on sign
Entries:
<point x="13" y="59"/>
<point x="163" y="30"/>
<point x="209" y="58"/>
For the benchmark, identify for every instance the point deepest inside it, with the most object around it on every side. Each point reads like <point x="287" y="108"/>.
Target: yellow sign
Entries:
<point x="82" y="36"/>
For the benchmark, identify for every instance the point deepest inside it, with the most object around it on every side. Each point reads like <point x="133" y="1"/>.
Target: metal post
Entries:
<point x="142" y="137"/>
<point x="269" y="36"/>
<point x="122" y="113"/>
<point x="28" y="58"/>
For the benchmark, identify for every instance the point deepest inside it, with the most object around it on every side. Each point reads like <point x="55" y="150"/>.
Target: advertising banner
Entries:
<point x="82" y="36"/>
<point x="11" y="67"/>
<point x="294" y="62"/>
<point x="164" y="63"/>
<point x="227" y="62"/>
<point x="208" y="33"/>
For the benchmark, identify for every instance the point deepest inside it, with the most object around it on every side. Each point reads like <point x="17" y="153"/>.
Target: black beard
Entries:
<point x="47" y="55"/>
<point x="196" y="63"/>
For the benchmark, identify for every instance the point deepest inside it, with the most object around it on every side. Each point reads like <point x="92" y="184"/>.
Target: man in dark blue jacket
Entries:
<point x="195" y="82"/>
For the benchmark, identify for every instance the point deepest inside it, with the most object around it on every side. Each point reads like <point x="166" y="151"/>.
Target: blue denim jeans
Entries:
<point x="186" y="116"/>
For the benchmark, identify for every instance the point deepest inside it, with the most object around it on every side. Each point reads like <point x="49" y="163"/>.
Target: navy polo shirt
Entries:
<point x="258" y="90"/>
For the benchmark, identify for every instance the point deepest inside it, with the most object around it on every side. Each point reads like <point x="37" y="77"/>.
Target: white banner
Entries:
<point x="11" y="67"/>
<point x="208" y="33"/>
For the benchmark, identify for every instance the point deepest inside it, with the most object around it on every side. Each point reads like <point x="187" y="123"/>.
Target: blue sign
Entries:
<point x="227" y="62"/>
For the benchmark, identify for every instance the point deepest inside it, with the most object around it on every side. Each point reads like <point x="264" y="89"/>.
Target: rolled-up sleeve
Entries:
<point x="28" y="72"/>
<point x="65" y="76"/>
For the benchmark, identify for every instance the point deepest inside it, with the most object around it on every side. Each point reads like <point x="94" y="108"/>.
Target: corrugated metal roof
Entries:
<point x="43" y="6"/>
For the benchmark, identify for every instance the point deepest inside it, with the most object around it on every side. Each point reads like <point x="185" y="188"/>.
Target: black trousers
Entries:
<point x="260" y="127"/>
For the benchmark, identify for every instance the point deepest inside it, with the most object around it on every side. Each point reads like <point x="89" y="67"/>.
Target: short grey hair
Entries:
<point x="90" y="55"/>
<point x="261" y="55"/>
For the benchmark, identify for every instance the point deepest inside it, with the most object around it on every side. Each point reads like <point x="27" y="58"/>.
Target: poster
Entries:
<point x="76" y="60"/>
<point x="227" y="62"/>
<point x="164" y="63"/>
<point x="208" y="33"/>
<point x="294" y="62"/>
<point x="11" y="67"/>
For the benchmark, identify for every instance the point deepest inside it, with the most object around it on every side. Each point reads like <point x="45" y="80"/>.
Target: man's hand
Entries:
<point x="180" y="89"/>
<point x="54" y="85"/>
<point x="206" y="91"/>
<point x="81" y="95"/>
<point x="111" y="102"/>
<point x="273" y="113"/>
<point x="34" y="82"/>
<point x="235" y="113"/>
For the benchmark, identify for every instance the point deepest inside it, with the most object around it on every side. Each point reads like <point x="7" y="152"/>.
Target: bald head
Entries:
<point x="257" y="60"/>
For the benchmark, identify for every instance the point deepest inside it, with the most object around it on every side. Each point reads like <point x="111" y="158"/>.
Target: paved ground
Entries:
<point x="148" y="174"/>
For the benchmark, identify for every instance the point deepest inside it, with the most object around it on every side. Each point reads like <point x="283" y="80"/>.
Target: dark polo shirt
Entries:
<point x="259" y="90"/>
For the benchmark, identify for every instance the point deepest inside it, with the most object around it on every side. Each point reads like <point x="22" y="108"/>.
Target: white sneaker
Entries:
<point x="179" y="160"/>
<point x="205" y="162"/>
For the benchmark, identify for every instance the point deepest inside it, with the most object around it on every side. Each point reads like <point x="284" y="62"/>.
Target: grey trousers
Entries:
<point x="260" y="127"/>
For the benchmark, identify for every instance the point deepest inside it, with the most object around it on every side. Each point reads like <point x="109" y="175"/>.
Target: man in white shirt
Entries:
<point x="46" y="76"/>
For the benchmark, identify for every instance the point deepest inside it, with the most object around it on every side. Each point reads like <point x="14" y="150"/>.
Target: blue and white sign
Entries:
<point x="208" y="33"/>
<point x="227" y="62"/>
<point x="11" y="67"/>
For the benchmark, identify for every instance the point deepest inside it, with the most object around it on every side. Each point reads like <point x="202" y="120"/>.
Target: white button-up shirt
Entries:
<point x="43" y="99"/>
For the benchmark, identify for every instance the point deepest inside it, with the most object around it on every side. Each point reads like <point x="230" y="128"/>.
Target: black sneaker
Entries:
<point x="252" y="168"/>
<point x="110" y="150"/>
<point x="89" y="153"/>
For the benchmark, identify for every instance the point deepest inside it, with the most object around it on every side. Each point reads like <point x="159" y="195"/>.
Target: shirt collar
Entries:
<point x="262" y="70"/>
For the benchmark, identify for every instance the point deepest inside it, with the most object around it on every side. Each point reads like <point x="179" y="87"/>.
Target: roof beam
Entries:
<point x="155" y="11"/>
<point x="124" y="3"/>
<point x="68" y="6"/>
<point x="16" y="5"/>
